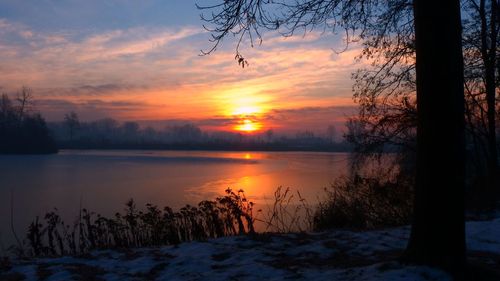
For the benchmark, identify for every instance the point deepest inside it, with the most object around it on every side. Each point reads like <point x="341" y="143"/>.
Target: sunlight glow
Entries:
<point x="246" y="110"/>
<point x="248" y="126"/>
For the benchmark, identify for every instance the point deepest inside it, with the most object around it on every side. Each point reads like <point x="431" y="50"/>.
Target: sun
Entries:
<point x="248" y="126"/>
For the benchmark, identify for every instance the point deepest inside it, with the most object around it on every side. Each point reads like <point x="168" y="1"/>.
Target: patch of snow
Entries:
<point x="29" y="272"/>
<point x="484" y="236"/>
<point x="59" y="275"/>
<point x="381" y="272"/>
<point x="333" y="255"/>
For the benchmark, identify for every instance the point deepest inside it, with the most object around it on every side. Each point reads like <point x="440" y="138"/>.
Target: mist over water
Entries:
<point x="102" y="181"/>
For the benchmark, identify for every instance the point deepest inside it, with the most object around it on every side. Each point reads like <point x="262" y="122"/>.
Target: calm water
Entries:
<point x="104" y="180"/>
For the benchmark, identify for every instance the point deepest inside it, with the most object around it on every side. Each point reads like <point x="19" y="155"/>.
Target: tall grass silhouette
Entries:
<point x="231" y="214"/>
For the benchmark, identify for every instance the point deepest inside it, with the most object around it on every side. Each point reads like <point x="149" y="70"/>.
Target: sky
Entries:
<point x="141" y="60"/>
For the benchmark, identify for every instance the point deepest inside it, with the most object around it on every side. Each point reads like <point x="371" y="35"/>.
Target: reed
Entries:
<point x="231" y="214"/>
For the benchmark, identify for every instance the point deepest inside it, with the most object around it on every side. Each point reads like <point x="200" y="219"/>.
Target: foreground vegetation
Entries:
<point x="227" y="215"/>
<point x="358" y="202"/>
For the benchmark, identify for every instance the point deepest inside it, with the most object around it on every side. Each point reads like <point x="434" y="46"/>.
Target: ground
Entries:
<point x="333" y="255"/>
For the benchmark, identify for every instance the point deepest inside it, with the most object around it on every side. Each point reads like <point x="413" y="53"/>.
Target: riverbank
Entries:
<point x="216" y="146"/>
<point x="334" y="255"/>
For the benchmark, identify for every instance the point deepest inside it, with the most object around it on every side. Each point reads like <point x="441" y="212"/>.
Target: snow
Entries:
<point x="333" y="255"/>
<point x="484" y="236"/>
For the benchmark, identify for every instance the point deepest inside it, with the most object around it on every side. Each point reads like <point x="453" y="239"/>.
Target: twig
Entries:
<point x="20" y="245"/>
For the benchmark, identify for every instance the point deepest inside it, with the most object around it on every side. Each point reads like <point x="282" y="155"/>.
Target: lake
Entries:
<point x="103" y="180"/>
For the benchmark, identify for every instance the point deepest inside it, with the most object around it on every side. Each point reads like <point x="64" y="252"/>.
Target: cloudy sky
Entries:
<point x="140" y="60"/>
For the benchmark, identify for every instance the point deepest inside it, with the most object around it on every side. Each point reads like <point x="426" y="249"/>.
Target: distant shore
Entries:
<point x="212" y="147"/>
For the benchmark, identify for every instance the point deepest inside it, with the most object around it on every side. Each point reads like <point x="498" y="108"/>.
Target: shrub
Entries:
<point x="382" y="198"/>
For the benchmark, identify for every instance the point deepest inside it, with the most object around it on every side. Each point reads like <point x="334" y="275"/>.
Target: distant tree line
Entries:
<point x="22" y="129"/>
<point x="71" y="133"/>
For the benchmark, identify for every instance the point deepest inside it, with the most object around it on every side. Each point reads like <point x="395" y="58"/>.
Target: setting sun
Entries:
<point x="248" y="126"/>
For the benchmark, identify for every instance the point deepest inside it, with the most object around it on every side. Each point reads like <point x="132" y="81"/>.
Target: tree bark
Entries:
<point x="438" y="230"/>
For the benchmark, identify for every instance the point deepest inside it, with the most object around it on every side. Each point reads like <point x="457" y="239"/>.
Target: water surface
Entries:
<point x="103" y="180"/>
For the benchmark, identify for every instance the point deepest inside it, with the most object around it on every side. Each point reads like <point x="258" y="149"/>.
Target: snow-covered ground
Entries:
<point x="335" y="255"/>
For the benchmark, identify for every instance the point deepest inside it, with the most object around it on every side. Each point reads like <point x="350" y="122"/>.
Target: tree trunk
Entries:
<point x="438" y="230"/>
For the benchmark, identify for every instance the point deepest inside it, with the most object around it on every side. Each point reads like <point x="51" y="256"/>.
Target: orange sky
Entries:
<point x="155" y="72"/>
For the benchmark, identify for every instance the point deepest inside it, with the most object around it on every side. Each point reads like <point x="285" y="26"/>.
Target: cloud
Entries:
<point x="55" y="109"/>
<point x="87" y="91"/>
<point x="287" y="121"/>
<point x="131" y="42"/>
<point x="41" y="58"/>
<point x="315" y="119"/>
<point x="158" y="70"/>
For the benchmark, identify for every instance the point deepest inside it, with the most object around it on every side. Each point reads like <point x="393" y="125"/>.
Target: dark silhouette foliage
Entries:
<point x="386" y="94"/>
<point x="381" y="197"/>
<point x="231" y="214"/>
<point x="22" y="132"/>
<point x="73" y="133"/>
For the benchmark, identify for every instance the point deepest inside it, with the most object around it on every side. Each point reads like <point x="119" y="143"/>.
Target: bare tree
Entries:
<point x="72" y="123"/>
<point x="386" y="94"/>
<point x="23" y="131"/>
<point x="131" y="130"/>
<point x="5" y="104"/>
<point x="331" y="133"/>
<point x="269" y="135"/>
<point x="25" y="100"/>
<point x="481" y="43"/>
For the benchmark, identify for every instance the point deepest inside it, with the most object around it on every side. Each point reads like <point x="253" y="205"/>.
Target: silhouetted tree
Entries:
<point x="25" y="101"/>
<point x="151" y="135"/>
<point x="331" y="133"/>
<point x="21" y="131"/>
<point x="385" y="92"/>
<point x="105" y="129"/>
<point x="438" y="229"/>
<point x="481" y="43"/>
<point x="304" y="135"/>
<point x="269" y="135"/>
<point x="72" y="123"/>
<point x="131" y="131"/>
<point x="187" y="133"/>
